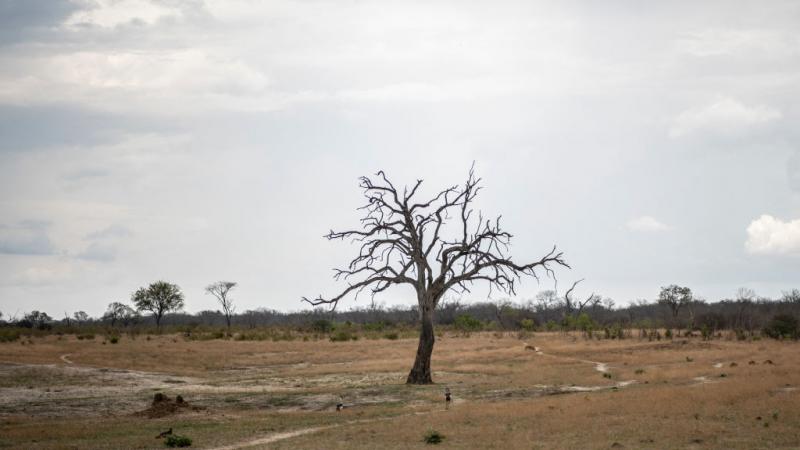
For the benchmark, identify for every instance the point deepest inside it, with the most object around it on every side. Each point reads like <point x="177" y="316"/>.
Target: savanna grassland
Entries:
<point x="551" y="390"/>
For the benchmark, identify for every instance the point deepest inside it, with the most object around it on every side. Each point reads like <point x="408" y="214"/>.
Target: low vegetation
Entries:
<point x="559" y="389"/>
<point x="177" y="440"/>
<point x="433" y="437"/>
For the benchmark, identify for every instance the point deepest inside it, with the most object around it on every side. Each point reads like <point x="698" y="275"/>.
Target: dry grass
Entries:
<point x="251" y="391"/>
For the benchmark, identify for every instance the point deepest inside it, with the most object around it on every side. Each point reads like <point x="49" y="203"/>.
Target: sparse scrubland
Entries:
<point x="554" y="373"/>
<point x="279" y="387"/>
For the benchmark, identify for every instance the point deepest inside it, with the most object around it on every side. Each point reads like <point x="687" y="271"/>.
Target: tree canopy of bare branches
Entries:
<point x="220" y="290"/>
<point x="575" y="306"/>
<point x="434" y="245"/>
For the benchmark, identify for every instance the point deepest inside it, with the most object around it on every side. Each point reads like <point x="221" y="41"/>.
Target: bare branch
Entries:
<point x="398" y="236"/>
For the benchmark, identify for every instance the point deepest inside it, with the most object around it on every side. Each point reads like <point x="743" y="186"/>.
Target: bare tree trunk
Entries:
<point x="421" y="372"/>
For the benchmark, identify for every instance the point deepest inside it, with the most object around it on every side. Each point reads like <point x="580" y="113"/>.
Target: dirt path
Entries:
<point x="598" y="366"/>
<point x="65" y="358"/>
<point x="303" y="431"/>
<point x="276" y="437"/>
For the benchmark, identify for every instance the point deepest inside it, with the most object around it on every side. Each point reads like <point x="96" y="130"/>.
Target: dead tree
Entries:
<point x="403" y="241"/>
<point x="571" y="305"/>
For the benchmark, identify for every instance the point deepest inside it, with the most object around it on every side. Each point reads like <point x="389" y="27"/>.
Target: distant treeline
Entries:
<point x="675" y="309"/>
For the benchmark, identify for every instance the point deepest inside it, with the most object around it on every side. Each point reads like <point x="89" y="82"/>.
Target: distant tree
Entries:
<point x="209" y="316"/>
<point x="675" y="297"/>
<point x="405" y="240"/>
<point x="220" y="290"/>
<point x="120" y="312"/>
<point x="546" y="305"/>
<point x="692" y="305"/>
<point x="251" y="317"/>
<point x="745" y="294"/>
<point x="546" y="300"/>
<point x="36" y="319"/>
<point x="792" y="296"/>
<point x="448" y="310"/>
<point x="576" y="306"/>
<point x="782" y="326"/>
<point x="744" y="300"/>
<point x="80" y="317"/>
<point x="159" y="298"/>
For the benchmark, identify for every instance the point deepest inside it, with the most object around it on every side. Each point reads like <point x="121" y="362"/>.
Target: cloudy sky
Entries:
<point x="653" y="142"/>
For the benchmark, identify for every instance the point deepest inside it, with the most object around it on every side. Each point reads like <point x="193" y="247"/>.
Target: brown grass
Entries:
<point x="247" y="391"/>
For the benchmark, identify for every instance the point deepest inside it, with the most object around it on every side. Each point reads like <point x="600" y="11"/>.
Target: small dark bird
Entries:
<point x="339" y="406"/>
<point x="164" y="434"/>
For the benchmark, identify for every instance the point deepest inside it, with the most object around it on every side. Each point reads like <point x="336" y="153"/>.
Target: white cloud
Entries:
<point x="768" y="235"/>
<point x="793" y="170"/>
<point x="153" y="81"/>
<point x="42" y="275"/>
<point x="99" y="251"/>
<point x="111" y="13"/>
<point x="646" y="224"/>
<point x="26" y="238"/>
<point x="723" y="117"/>
<point x="725" y="42"/>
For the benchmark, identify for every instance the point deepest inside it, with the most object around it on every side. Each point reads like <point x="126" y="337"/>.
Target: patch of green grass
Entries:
<point x="433" y="437"/>
<point x="9" y="334"/>
<point x="177" y="440"/>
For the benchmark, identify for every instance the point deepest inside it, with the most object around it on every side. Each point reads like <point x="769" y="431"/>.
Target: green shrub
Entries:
<point x="527" y="324"/>
<point x="285" y="336"/>
<point x="706" y="332"/>
<point x="584" y="323"/>
<point x="374" y="326"/>
<point x="343" y="335"/>
<point x="85" y="336"/>
<point x="176" y="440"/>
<point x="466" y="323"/>
<point x="8" y="335"/>
<point x="219" y="334"/>
<point x="615" y="332"/>
<point x="551" y="325"/>
<point x="392" y="335"/>
<point x="433" y="437"/>
<point x="668" y="333"/>
<point x="322" y="326"/>
<point x="782" y="326"/>
<point x="524" y="334"/>
<point x="113" y="339"/>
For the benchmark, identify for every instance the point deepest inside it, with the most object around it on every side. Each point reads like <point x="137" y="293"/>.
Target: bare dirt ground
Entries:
<point x="548" y="391"/>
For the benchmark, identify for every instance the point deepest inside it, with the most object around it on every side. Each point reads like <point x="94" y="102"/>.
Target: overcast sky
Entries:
<point x="193" y="141"/>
